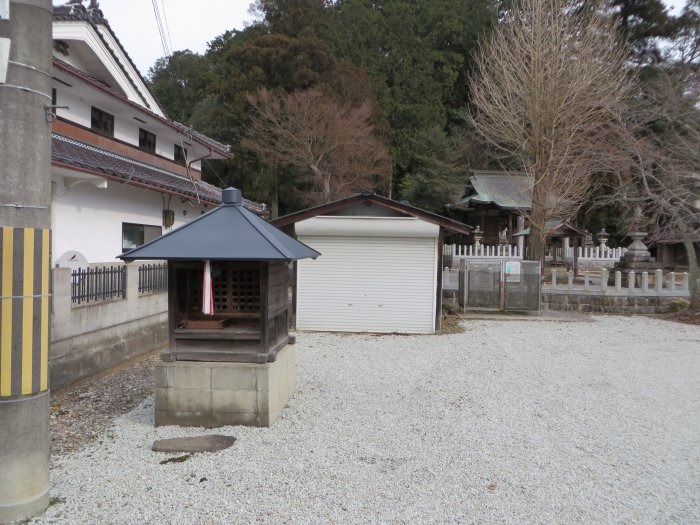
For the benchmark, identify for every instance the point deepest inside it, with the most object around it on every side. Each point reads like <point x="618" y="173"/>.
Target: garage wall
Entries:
<point x="368" y="284"/>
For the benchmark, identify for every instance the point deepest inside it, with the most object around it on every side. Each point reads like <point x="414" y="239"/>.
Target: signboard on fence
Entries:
<point x="512" y="272"/>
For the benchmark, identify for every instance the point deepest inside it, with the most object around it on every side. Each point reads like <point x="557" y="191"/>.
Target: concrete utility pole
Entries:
<point x="25" y="240"/>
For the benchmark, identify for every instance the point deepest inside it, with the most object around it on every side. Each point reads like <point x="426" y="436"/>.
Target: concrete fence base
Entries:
<point x="621" y="304"/>
<point x="91" y="337"/>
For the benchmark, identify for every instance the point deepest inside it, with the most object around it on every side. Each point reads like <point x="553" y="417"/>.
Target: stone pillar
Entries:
<point x="25" y="240"/>
<point x="521" y="239"/>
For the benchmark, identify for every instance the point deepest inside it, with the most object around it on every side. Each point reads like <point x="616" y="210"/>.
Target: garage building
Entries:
<point x="380" y="269"/>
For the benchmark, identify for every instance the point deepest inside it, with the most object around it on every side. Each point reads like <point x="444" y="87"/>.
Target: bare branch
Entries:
<point x="334" y="143"/>
<point x="549" y="93"/>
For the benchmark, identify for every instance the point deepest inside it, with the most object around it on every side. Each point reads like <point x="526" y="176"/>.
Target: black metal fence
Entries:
<point x="153" y="278"/>
<point x="98" y="284"/>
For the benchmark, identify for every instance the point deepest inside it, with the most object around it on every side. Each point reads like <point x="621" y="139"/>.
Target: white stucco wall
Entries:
<point x="81" y="97"/>
<point x="89" y="219"/>
<point x="99" y="58"/>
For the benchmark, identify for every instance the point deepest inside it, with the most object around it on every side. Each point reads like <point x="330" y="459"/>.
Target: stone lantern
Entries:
<point x="603" y="237"/>
<point x="478" y="235"/>
<point x="637" y="258"/>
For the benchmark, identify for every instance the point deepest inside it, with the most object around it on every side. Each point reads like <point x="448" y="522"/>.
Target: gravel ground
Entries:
<point x="80" y="415"/>
<point x="509" y="422"/>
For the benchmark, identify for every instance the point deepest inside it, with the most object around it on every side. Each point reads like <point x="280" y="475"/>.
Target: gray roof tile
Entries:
<point x="74" y="153"/>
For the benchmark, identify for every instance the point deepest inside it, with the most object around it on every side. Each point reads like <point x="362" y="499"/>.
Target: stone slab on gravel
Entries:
<point x="208" y="443"/>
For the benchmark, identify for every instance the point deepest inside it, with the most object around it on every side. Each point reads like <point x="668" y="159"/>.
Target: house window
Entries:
<point x="134" y="235"/>
<point x="102" y="122"/>
<point x="147" y="141"/>
<point x="180" y="155"/>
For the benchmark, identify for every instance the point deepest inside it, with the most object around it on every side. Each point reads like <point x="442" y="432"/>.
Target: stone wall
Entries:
<point x="609" y="304"/>
<point x="91" y="337"/>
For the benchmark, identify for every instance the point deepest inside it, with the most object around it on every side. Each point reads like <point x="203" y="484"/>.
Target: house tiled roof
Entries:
<point x="74" y="154"/>
<point x="76" y="12"/>
<point x="181" y="128"/>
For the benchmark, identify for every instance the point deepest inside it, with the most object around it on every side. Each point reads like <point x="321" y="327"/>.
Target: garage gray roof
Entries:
<point x="369" y="199"/>
<point x="229" y="232"/>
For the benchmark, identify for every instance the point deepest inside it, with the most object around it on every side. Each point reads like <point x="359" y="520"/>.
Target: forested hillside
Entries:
<point x="322" y="98"/>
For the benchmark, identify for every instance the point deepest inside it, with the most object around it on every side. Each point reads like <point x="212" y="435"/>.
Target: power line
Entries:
<point x="167" y="27"/>
<point x="161" y="29"/>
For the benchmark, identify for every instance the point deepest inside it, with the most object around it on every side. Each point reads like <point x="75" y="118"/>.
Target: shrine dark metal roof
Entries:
<point x="73" y="154"/>
<point x="229" y="232"/>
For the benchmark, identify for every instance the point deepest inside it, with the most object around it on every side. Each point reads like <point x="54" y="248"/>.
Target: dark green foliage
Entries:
<point x="644" y="21"/>
<point x="418" y="57"/>
<point x="410" y="59"/>
<point x="611" y="217"/>
<point x="296" y="18"/>
<point x="436" y="176"/>
<point x="179" y="82"/>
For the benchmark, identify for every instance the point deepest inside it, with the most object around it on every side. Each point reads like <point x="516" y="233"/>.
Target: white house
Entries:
<point x="380" y="268"/>
<point x="122" y="173"/>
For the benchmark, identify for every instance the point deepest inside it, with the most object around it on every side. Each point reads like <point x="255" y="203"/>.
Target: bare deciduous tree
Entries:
<point x="333" y="142"/>
<point x="549" y="94"/>
<point x="664" y="179"/>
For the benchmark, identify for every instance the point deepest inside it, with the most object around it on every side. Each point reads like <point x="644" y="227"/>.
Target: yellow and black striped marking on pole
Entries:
<point x="24" y="310"/>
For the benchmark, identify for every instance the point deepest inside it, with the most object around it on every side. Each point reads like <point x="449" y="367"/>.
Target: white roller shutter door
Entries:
<point x="368" y="284"/>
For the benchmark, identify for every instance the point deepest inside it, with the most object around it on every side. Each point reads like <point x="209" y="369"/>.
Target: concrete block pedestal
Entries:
<point x="215" y="394"/>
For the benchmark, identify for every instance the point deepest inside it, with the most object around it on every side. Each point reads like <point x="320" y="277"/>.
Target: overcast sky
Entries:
<point x="192" y="24"/>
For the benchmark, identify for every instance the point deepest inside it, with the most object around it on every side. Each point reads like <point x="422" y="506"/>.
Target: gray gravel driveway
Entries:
<point x="509" y="422"/>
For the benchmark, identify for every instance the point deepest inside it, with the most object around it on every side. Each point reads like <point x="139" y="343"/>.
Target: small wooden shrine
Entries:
<point x="228" y="304"/>
<point x="248" y="323"/>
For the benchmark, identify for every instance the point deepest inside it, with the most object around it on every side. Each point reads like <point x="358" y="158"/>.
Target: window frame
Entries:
<point x="101" y="122"/>
<point x="144" y="143"/>
<point x="143" y="238"/>
<point x="182" y="158"/>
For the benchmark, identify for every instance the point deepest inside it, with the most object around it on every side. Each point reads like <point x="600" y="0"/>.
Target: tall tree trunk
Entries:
<point x="324" y="179"/>
<point x="275" y="200"/>
<point x="538" y="220"/>
<point x="537" y="244"/>
<point x="693" y="271"/>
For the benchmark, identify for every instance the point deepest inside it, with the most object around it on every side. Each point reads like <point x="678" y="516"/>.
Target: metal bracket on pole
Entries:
<point x="51" y="112"/>
<point x="4" y="53"/>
